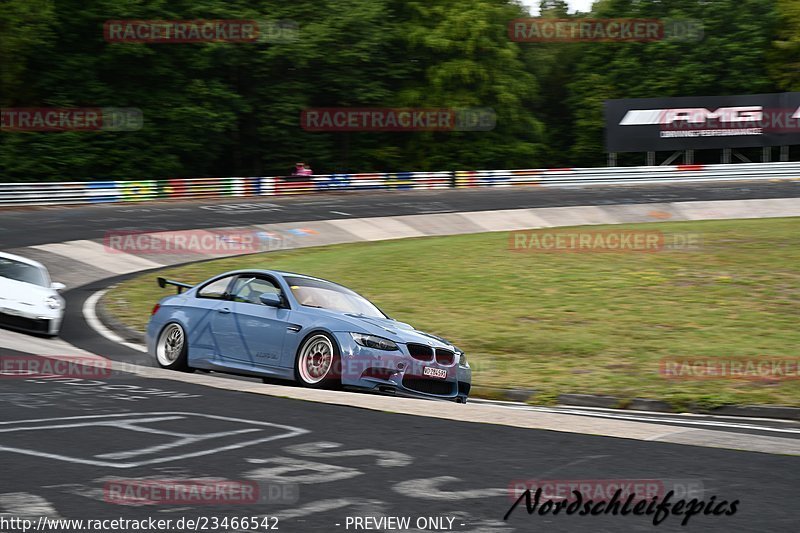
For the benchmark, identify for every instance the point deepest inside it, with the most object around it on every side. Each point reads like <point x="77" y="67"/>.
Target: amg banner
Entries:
<point x="702" y="122"/>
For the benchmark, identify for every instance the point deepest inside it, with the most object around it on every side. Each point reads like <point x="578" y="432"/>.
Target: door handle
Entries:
<point x="223" y="310"/>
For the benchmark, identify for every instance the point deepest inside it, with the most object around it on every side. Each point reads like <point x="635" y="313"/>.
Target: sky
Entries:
<point x="574" y="5"/>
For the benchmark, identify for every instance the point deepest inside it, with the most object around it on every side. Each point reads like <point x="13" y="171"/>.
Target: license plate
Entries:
<point x="434" y="372"/>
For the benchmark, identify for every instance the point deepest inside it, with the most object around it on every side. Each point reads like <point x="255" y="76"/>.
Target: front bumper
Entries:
<point x="41" y="323"/>
<point x="399" y="374"/>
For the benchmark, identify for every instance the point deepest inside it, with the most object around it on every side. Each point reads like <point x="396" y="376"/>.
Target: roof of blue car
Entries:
<point x="296" y="275"/>
<point x="284" y="273"/>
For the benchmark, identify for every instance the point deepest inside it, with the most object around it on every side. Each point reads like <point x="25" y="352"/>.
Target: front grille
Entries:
<point x="378" y="373"/>
<point x="420" y="352"/>
<point x="445" y="357"/>
<point x="20" y="322"/>
<point x="428" y="386"/>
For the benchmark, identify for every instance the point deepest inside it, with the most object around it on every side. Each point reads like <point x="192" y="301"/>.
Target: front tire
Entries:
<point x="318" y="362"/>
<point x="172" y="348"/>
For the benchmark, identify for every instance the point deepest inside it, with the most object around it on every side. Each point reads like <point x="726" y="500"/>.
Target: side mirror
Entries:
<point x="270" y="298"/>
<point x="58" y="286"/>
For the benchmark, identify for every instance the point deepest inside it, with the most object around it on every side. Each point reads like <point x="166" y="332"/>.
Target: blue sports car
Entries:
<point x="290" y="326"/>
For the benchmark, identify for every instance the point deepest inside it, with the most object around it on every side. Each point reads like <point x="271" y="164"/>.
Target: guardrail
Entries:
<point x="65" y="193"/>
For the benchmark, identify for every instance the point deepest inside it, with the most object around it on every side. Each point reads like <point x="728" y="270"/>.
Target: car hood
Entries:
<point x="14" y="293"/>
<point x="396" y="331"/>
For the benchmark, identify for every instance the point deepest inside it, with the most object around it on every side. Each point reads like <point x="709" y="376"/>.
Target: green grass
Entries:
<point x="593" y="323"/>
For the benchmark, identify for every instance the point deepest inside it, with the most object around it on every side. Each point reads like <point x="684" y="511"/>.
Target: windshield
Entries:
<point x="326" y="295"/>
<point x="19" y="271"/>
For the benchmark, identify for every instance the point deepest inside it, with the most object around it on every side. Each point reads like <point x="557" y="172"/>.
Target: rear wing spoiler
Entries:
<point x="163" y="282"/>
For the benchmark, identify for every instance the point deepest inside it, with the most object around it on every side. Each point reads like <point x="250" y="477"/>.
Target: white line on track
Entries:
<point x="90" y="314"/>
<point x="652" y="418"/>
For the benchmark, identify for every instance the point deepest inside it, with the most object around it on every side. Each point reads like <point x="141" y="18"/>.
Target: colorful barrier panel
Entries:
<point x="102" y="192"/>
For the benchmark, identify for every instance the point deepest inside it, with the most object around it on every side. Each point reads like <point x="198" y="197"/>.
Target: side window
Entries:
<point x="248" y="289"/>
<point x="216" y="289"/>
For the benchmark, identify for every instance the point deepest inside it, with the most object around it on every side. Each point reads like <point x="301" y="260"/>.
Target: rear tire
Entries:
<point x="172" y="348"/>
<point x="318" y="362"/>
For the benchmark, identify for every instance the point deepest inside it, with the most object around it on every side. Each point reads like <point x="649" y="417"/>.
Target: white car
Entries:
<point x="28" y="299"/>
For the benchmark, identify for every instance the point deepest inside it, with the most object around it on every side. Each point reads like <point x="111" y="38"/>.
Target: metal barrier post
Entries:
<point x="670" y="159"/>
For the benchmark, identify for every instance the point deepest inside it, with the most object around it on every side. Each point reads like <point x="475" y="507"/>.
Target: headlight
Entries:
<point x="53" y="302"/>
<point x="462" y="359"/>
<point x="371" y="341"/>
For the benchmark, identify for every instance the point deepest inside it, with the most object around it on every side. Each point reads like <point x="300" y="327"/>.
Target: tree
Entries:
<point x="462" y="58"/>
<point x="785" y="57"/>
